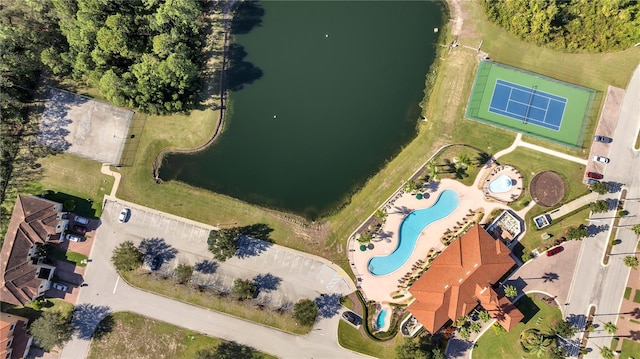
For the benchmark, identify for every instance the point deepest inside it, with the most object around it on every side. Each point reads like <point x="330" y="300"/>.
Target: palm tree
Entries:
<point x="636" y="229"/>
<point x="610" y="328"/>
<point x="535" y="342"/>
<point x="380" y="214"/>
<point x="411" y="186"/>
<point x="433" y="171"/>
<point x="631" y="261"/>
<point x="510" y="291"/>
<point x="484" y="316"/>
<point x="607" y="353"/>
<point x="462" y="161"/>
<point x="475" y="327"/>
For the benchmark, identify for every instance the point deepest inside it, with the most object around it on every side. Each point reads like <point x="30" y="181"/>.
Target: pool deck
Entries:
<point x="382" y="288"/>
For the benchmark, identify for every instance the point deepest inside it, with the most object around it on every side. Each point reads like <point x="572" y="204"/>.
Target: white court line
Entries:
<point x="116" y="286"/>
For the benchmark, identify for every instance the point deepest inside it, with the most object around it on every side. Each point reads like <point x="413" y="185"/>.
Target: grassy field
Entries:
<point x="532" y="239"/>
<point x="350" y="338"/>
<point x="507" y="345"/>
<point x="630" y="349"/>
<point x="530" y="163"/>
<point x="30" y="312"/>
<point x="76" y="177"/>
<point x="245" y="310"/>
<point x="135" y="336"/>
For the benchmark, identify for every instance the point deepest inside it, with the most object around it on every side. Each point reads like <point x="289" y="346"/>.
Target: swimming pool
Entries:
<point x="380" y="321"/>
<point x="410" y="229"/>
<point x="501" y="184"/>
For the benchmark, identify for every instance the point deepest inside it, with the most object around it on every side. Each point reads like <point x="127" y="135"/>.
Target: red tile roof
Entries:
<point x="33" y="220"/>
<point x="447" y="290"/>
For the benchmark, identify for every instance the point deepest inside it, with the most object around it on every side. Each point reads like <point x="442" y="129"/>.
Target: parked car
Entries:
<point x="591" y="181"/>
<point x="59" y="286"/>
<point x="603" y="139"/>
<point x="80" y="229"/>
<point x="80" y="220"/>
<point x="124" y="215"/>
<point x="74" y="237"/>
<point x="594" y="175"/>
<point x="601" y="159"/>
<point x="156" y="263"/>
<point x="554" y="251"/>
<point x="352" y="318"/>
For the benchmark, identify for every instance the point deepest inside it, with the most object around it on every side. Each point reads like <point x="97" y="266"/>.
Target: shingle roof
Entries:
<point x="447" y="290"/>
<point x="33" y="218"/>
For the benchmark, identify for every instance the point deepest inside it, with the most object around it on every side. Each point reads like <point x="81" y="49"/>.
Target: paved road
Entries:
<point x="595" y="284"/>
<point x="106" y="292"/>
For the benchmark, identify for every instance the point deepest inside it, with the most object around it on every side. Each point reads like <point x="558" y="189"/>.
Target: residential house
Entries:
<point x="15" y="341"/>
<point x="460" y="278"/>
<point x="26" y="273"/>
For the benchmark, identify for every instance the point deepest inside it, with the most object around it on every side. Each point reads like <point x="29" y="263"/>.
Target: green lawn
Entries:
<point x="636" y="296"/>
<point x="28" y="311"/>
<point x="244" y="310"/>
<point x="531" y="162"/>
<point x="63" y="173"/>
<point x="507" y="345"/>
<point x="532" y="239"/>
<point x="350" y="338"/>
<point x="135" y="336"/>
<point x="630" y="349"/>
<point x="627" y="293"/>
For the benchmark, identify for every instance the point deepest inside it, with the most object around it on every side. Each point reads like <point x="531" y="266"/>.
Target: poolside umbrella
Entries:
<point x="370" y="246"/>
<point x="363" y="247"/>
<point x="419" y="196"/>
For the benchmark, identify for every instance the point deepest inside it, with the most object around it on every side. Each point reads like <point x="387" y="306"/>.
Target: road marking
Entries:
<point x="116" y="286"/>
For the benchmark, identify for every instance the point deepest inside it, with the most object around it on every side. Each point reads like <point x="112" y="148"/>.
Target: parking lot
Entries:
<point x="283" y="275"/>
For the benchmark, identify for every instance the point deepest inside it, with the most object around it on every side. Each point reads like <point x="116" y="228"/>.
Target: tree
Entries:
<point x="244" y="289"/>
<point x="223" y="243"/>
<point x="183" y="273"/>
<point x="126" y="256"/>
<point x="380" y="214"/>
<point x="51" y="330"/>
<point x="228" y="350"/>
<point x="526" y="256"/>
<point x="607" y="353"/>
<point x="475" y="327"/>
<point x="460" y="322"/>
<point x="557" y="353"/>
<point x="610" y="328"/>
<point x="577" y="232"/>
<point x="306" y="311"/>
<point x="600" y="187"/>
<point x="465" y="333"/>
<point x="462" y="161"/>
<point x="433" y="171"/>
<point x="411" y="349"/>
<point x="631" y="261"/>
<point x="564" y="329"/>
<point x="411" y="186"/>
<point x="599" y="206"/>
<point x="510" y="291"/>
<point x="535" y="342"/>
<point x="484" y="316"/>
<point x="636" y="229"/>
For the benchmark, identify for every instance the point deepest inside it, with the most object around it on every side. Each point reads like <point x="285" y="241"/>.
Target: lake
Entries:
<point x="324" y="92"/>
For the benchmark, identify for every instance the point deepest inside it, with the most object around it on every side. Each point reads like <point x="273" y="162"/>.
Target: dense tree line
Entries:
<point x="140" y="53"/>
<point x="573" y="25"/>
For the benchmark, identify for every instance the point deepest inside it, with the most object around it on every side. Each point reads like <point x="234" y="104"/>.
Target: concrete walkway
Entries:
<point x="573" y="205"/>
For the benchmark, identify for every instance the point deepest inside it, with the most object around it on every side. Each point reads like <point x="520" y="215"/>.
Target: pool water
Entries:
<point x="501" y="184"/>
<point x="380" y="321"/>
<point x="410" y="230"/>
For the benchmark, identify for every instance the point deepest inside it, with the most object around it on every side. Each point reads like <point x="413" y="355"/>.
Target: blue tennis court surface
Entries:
<point x="528" y="105"/>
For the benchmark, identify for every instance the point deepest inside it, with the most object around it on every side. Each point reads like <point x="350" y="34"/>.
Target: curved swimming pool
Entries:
<point x="501" y="184"/>
<point x="380" y="321"/>
<point x="410" y="229"/>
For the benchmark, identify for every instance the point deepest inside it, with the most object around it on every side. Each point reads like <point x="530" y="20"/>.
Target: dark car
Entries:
<point x="156" y="262"/>
<point x="80" y="229"/>
<point x="594" y="175"/>
<point x="352" y="318"/>
<point x="603" y="139"/>
<point x="554" y="251"/>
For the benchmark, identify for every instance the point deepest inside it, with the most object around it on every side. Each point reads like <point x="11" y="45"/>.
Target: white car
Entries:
<point x="59" y="286"/>
<point x="600" y="159"/>
<point x="124" y="215"/>
<point x="74" y="237"/>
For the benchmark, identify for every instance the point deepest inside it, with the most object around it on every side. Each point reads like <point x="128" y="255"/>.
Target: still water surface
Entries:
<point x="338" y="95"/>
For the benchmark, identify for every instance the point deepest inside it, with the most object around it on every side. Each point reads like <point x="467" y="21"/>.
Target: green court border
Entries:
<point x="574" y="120"/>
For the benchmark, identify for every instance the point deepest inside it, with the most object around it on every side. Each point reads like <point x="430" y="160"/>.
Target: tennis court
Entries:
<point x="530" y="103"/>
